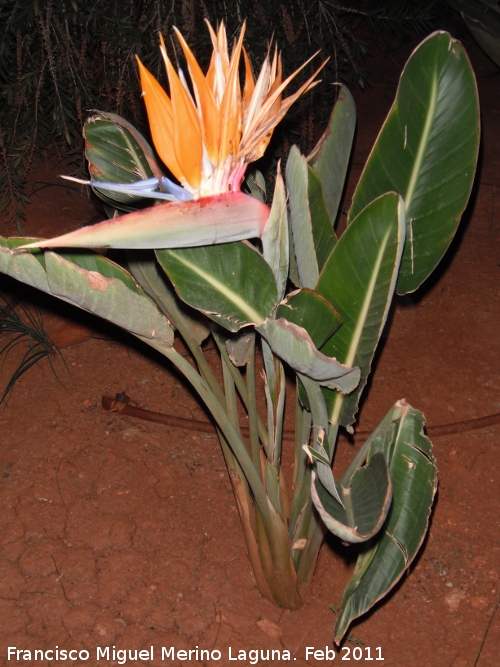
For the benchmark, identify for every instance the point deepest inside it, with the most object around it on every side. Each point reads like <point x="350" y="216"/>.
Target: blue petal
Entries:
<point x="180" y="193"/>
<point x="146" y="189"/>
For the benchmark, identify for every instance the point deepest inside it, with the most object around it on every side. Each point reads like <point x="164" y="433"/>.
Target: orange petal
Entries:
<point x="218" y="71"/>
<point x="222" y="44"/>
<point x="266" y="111"/>
<point x="249" y="81"/>
<point x="259" y="95"/>
<point x="187" y="131"/>
<point x="159" y="110"/>
<point x="211" y="75"/>
<point x="259" y="131"/>
<point x="230" y="109"/>
<point x="206" y="104"/>
<point x="277" y="80"/>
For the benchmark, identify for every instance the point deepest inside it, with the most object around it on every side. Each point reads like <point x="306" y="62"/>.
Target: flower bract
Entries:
<point x="208" y="132"/>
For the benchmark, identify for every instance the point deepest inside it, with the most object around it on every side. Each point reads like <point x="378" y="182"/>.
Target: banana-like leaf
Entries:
<point x="365" y="501"/>
<point x="359" y="279"/>
<point x="231" y="283"/>
<point x="239" y="348"/>
<point x="28" y="268"/>
<point x="275" y="391"/>
<point x="312" y="229"/>
<point x="91" y="282"/>
<point x="308" y="309"/>
<point x="318" y="454"/>
<point x="408" y="453"/>
<point x="322" y="226"/>
<point x="275" y="241"/>
<point x="294" y="346"/>
<point x="483" y="21"/>
<point x="114" y="156"/>
<point x="272" y="481"/>
<point x="146" y="271"/>
<point x="256" y="183"/>
<point x="330" y="157"/>
<point x="297" y="181"/>
<point x="489" y="41"/>
<point x="207" y="221"/>
<point x="427" y="152"/>
<point x="143" y="144"/>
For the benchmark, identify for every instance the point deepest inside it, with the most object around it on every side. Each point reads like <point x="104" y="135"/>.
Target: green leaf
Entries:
<point x="483" y="20"/>
<point x="275" y="241"/>
<point x="217" y="219"/>
<point x="308" y="309"/>
<point x="427" y="152"/>
<point x="114" y="156"/>
<point x="114" y="296"/>
<point x="322" y="450"/>
<point x="28" y="268"/>
<point x="231" y="283"/>
<point x="139" y="139"/>
<point x="152" y="279"/>
<point x="239" y="348"/>
<point x="365" y="501"/>
<point x="312" y="229"/>
<point x="322" y="227"/>
<point x="359" y="279"/>
<point x="413" y="471"/>
<point x="330" y="157"/>
<point x="91" y="282"/>
<point x="297" y="181"/>
<point x="256" y="183"/>
<point x="294" y="346"/>
<point x="271" y="477"/>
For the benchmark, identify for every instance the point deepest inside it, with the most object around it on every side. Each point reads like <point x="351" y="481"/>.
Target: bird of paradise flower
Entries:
<point x="206" y="135"/>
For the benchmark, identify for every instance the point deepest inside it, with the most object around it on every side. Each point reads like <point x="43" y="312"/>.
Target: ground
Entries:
<point x="124" y="534"/>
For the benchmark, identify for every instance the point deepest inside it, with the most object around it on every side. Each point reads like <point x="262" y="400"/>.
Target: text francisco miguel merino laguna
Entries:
<point x="123" y="656"/>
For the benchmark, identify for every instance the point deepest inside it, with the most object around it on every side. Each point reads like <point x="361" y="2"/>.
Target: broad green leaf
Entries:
<point x="146" y="270"/>
<point x="28" y="268"/>
<point x="275" y="390"/>
<point x="483" y="20"/>
<point x="427" y="152"/>
<point x="413" y="471"/>
<point x="322" y="226"/>
<point x="109" y="296"/>
<point x="115" y="156"/>
<point x="206" y="221"/>
<point x="294" y="346"/>
<point x="271" y="477"/>
<point x="143" y="144"/>
<point x="256" y="183"/>
<point x="231" y="283"/>
<point x="91" y="282"/>
<point x="322" y="458"/>
<point x="275" y="241"/>
<point x="312" y="229"/>
<point x="297" y="181"/>
<point x="239" y="348"/>
<point x="487" y="40"/>
<point x="293" y="272"/>
<point x="308" y="309"/>
<point x="330" y="157"/>
<point x="359" y="279"/>
<point x="365" y="501"/>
